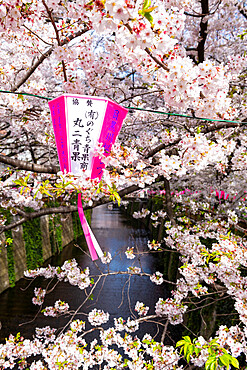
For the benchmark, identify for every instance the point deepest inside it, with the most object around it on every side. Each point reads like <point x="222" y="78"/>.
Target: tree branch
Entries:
<point x="160" y="147"/>
<point x="49" y="12"/>
<point x="203" y="32"/>
<point x="162" y="65"/>
<point x="32" y="69"/>
<point x="66" y="209"/>
<point x="169" y="202"/>
<point x="35" y="34"/>
<point x="205" y="130"/>
<point x="27" y="166"/>
<point x="219" y="126"/>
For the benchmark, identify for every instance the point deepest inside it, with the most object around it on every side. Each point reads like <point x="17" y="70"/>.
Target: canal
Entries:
<point x="115" y="294"/>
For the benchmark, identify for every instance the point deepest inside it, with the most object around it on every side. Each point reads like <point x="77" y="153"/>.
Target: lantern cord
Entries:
<point x="23" y="93"/>
<point x="186" y="116"/>
<point x="135" y="108"/>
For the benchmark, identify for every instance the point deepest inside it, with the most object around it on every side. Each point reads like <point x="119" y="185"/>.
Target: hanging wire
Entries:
<point x="135" y="108"/>
<point x="23" y="93"/>
<point x="186" y="116"/>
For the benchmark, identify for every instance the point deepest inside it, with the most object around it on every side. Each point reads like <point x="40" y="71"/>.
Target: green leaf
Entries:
<point x="147" y="4"/>
<point x="187" y="357"/>
<point x="191" y="348"/>
<point x="148" y="17"/>
<point x="180" y="343"/>
<point x="146" y="10"/>
<point x="26" y="178"/>
<point x="18" y="335"/>
<point x="125" y="362"/>
<point x="118" y="199"/>
<point x="187" y="339"/>
<point x="197" y="351"/>
<point x="211" y="363"/>
<point x="234" y="362"/>
<point x="224" y="360"/>
<point x="20" y="96"/>
<point x="9" y="241"/>
<point x="17" y="182"/>
<point x="186" y="349"/>
<point x="149" y="10"/>
<point x="214" y="365"/>
<point x="46" y="192"/>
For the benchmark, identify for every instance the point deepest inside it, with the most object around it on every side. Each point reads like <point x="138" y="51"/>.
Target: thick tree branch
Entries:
<point x="52" y="169"/>
<point x="32" y="215"/>
<point x="219" y="126"/>
<point x="203" y="32"/>
<point x="169" y="202"/>
<point x="66" y="209"/>
<point x="27" y="166"/>
<point x="33" y="68"/>
<point x="160" y="147"/>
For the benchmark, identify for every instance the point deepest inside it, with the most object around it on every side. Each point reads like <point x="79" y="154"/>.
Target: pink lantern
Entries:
<point x="79" y="123"/>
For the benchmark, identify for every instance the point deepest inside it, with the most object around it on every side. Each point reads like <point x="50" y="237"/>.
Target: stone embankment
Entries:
<point x="34" y="242"/>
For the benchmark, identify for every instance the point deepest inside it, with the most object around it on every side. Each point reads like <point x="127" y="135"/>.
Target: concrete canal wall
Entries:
<point x="31" y="244"/>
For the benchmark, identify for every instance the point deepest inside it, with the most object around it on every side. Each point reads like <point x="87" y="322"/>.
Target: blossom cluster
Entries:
<point x="157" y="278"/>
<point x="170" y="308"/>
<point x="106" y="258"/>
<point x="141" y="308"/>
<point x="98" y="317"/>
<point x="59" y="308"/>
<point x="130" y="253"/>
<point x="39" y="295"/>
<point x="68" y="272"/>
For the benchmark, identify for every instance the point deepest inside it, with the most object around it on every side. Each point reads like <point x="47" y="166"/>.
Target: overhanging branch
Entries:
<point x="204" y="130"/>
<point x="27" y="166"/>
<point x="65" y="209"/>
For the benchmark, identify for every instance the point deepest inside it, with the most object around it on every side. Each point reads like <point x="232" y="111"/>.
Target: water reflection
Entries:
<point x="116" y="294"/>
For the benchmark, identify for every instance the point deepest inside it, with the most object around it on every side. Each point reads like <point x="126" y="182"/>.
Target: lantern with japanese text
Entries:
<point x="79" y="123"/>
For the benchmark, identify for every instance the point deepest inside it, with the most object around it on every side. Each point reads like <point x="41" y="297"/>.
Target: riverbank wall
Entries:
<point x="29" y="245"/>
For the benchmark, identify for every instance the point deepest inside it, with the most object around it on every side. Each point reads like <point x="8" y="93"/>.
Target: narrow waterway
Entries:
<point x="115" y="294"/>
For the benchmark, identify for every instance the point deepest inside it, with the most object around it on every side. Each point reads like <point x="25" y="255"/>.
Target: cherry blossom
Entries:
<point x="106" y="258"/>
<point x="141" y="308"/>
<point x="186" y="163"/>
<point x="157" y="278"/>
<point x="59" y="308"/>
<point x="130" y="253"/>
<point x="97" y="317"/>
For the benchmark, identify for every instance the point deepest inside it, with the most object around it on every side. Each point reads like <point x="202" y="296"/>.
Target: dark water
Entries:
<point x="115" y="294"/>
